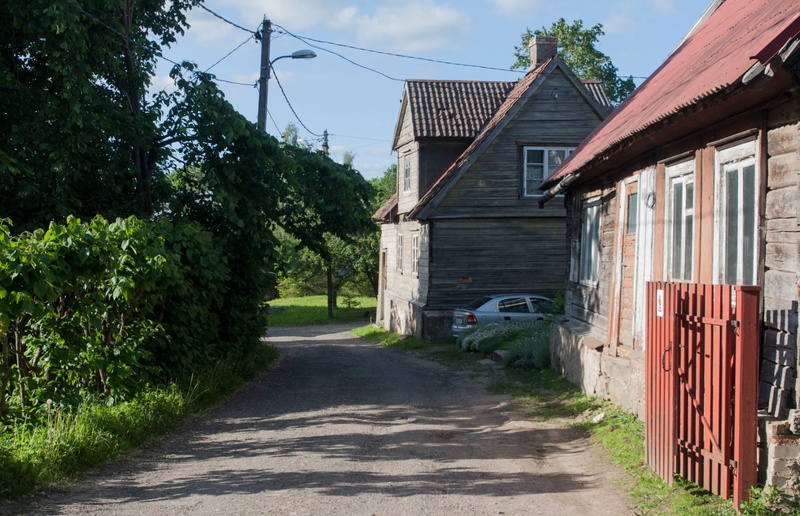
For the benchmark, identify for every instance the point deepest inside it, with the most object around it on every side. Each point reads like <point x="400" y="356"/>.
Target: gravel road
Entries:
<point x="342" y="426"/>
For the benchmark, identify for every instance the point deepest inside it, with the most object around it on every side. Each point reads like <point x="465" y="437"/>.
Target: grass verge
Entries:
<point x="311" y="310"/>
<point x="546" y="395"/>
<point x="70" y="443"/>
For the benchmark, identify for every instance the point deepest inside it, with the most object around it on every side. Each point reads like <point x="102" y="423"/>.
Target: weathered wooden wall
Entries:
<point x="779" y="390"/>
<point x="493" y="185"/>
<point x="473" y="257"/>
<point x="404" y="288"/>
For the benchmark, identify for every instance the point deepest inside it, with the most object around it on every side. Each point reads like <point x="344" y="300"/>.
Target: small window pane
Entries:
<point x="535" y="156"/>
<point x="731" y="225"/>
<point x="677" y="227"/>
<point x="749" y="224"/>
<point x="554" y="160"/>
<point x="633" y="212"/>
<point x="689" y="249"/>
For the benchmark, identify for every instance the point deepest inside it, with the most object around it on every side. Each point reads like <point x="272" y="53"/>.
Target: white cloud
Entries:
<point x="516" y="6"/>
<point x="620" y="23"/>
<point x="664" y="6"/>
<point x="162" y="83"/>
<point x="420" y="26"/>
<point x="294" y="15"/>
<point x="206" y="28"/>
<point x="416" y="26"/>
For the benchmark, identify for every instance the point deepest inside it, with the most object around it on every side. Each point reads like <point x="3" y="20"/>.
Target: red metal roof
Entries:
<point x="709" y="61"/>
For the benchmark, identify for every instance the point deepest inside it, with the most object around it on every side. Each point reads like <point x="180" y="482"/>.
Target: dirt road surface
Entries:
<point x="342" y="426"/>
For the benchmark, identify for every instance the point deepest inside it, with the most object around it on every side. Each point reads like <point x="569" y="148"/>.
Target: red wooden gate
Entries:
<point x="701" y="381"/>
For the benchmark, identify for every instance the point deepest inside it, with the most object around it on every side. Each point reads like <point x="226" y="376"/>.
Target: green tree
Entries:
<point x="577" y="46"/>
<point x="81" y="134"/>
<point x="355" y="261"/>
<point x="384" y="186"/>
<point x="77" y="132"/>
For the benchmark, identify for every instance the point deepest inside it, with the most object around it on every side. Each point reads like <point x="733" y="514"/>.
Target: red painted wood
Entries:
<point x="701" y="376"/>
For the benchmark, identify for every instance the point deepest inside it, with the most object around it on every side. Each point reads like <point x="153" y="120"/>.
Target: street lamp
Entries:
<point x="266" y="66"/>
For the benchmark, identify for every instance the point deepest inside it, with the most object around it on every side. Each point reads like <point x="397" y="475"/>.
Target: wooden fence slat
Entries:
<point x="701" y="376"/>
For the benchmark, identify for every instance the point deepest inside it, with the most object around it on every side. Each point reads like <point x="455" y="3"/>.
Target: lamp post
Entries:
<point x="266" y="65"/>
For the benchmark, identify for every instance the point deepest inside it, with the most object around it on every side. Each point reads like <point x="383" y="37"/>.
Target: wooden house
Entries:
<point x="693" y="180"/>
<point x="470" y="158"/>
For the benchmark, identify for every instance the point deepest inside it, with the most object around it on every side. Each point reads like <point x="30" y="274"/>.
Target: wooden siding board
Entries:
<point x="494" y="180"/>
<point x="473" y="257"/>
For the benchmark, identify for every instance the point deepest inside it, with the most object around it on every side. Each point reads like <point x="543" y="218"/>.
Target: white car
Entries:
<point x="500" y="308"/>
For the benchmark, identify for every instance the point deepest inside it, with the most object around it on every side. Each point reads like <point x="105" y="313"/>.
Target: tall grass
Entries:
<point x="72" y="442"/>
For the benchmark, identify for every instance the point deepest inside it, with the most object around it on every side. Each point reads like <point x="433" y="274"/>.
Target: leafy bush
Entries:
<point x="526" y="343"/>
<point x="104" y="309"/>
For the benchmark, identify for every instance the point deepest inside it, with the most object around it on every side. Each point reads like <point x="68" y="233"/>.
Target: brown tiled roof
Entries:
<point x="388" y="211"/>
<point x="710" y="63"/>
<point x="453" y="109"/>
<point x="506" y="110"/>
<point x="513" y="97"/>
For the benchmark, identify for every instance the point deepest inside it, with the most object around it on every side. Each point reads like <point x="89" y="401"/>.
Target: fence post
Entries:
<point x="746" y="397"/>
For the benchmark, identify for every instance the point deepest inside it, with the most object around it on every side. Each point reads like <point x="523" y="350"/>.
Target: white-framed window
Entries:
<point x="680" y="221"/>
<point x="737" y="217"/>
<point x="589" y="262"/>
<point x="539" y="163"/>
<point x="407" y="174"/>
<point x="415" y="253"/>
<point x="399" y="263"/>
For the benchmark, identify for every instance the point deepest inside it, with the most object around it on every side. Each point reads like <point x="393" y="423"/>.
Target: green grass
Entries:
<point x="304" y="311"/>
<point x="546" y="395"/>
<point x="68" y="443"/>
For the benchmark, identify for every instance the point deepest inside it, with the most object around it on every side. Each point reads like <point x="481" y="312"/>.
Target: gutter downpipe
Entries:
<point x="560" y="187"/>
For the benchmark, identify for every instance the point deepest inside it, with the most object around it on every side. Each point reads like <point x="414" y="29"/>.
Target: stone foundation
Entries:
<point x="579" y="357"/>
<point x="780" y="465"/>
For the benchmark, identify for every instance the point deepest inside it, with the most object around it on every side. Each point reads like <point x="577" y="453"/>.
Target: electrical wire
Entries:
<point x="360" y="138"/>
<point x="340" y="56"/>
<point x="249" y="85"/>
<point x="226" y="56"/>
<point x="203" y="7"/>
<point x="292" y="107"/>
<point x="306" y="40"/>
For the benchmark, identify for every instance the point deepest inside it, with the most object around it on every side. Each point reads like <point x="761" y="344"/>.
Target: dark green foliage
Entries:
<point x="177" y="283"/>
<point x="102" y="310"/>
<point x="354" y="260"/>
<point x="77" y="134"/>
<point x="576" y="46"/>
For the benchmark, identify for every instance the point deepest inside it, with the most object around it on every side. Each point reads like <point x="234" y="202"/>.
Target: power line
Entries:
<point x="250" y="85"/>
<point x="203" y="7"/>
<point x="341" y="56"/>
<point x="226" y="56"/>
<point x="306" y="39"/>
<point x="292" y="107"/>
<point x="360" y="138"/>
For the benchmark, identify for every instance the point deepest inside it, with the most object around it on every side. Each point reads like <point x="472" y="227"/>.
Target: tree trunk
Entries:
<point x="331" y="293"/>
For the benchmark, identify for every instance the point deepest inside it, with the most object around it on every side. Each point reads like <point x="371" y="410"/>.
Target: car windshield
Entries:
<point x="474" y="305"/>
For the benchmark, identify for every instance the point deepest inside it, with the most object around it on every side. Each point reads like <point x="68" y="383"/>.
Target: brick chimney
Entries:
<point x="542" y="48"/>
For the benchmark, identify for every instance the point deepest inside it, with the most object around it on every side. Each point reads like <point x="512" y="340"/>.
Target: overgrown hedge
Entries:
<point x="98" y="309"/>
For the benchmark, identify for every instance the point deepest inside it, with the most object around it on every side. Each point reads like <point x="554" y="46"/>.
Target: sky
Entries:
<point x="354" y="93"/>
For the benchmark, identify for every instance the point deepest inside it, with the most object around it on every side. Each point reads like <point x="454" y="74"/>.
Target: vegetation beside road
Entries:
<point x="311" y="310"/>
<point x="546" y="395"/>
<point x="71" y="441"/>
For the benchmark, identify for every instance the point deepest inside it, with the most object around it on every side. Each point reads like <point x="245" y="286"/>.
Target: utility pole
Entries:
<point x="325" y="147"/>
<point x="263" y="79"/>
